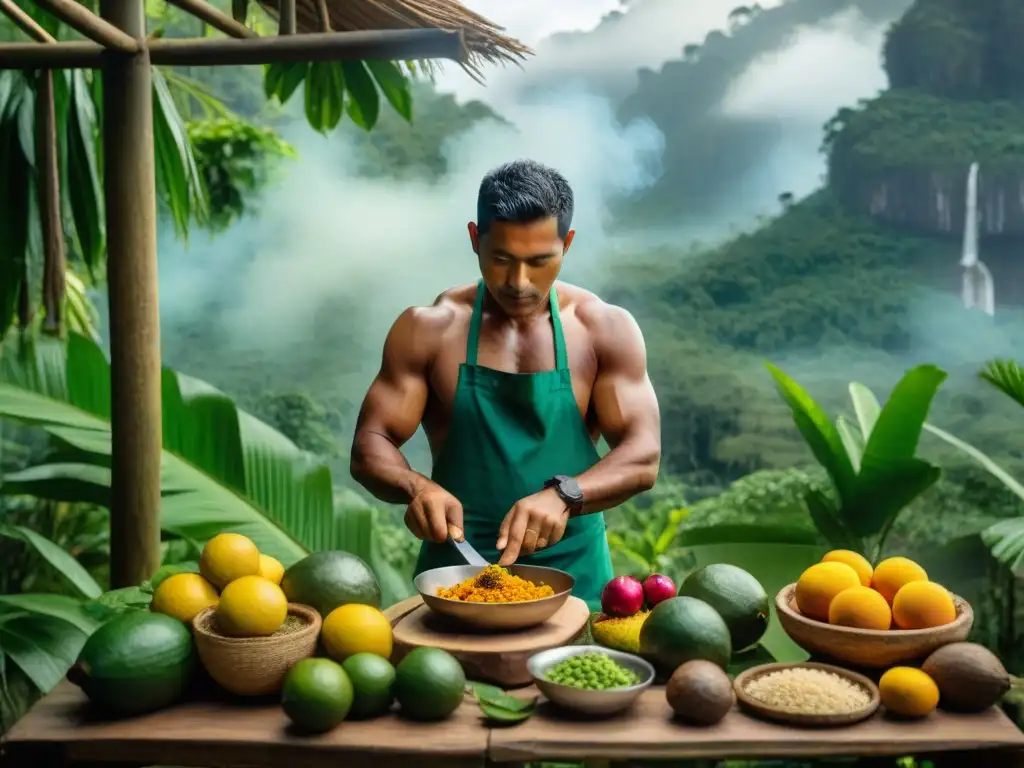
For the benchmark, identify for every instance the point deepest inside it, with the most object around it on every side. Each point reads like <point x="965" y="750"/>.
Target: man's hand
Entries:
<point x="535" y="522"/>
<point x="433" y="514"/>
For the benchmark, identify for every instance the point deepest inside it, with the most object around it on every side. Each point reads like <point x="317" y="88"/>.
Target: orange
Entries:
<point x="923" y="604"/>
<point x="819" y="584"/>
<point x="908" y="692"/>
<point x="860" y="607"/>
<point x="855" y="560"/>
<point x="893" y="573"/>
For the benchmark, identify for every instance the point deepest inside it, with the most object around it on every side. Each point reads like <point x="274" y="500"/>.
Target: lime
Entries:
<point x="317" y="694"/>
<point x="373" y="679"/>
<point x="429" y="684"/>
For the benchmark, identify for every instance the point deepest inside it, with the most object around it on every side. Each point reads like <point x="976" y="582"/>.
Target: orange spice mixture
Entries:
<point x="495" y="585"/>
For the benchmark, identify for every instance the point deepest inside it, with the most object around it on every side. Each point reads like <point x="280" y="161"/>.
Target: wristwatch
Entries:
<point x="569" y="491"/>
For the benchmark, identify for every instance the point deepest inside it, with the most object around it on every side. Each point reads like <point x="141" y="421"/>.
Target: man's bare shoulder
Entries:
<point x="607" y="323"/>
<point x="426" y="327"/>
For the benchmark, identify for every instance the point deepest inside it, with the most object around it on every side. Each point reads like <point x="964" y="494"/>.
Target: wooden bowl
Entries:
<point x="869" y="648"/>
<point x="255" y="666"/>
<point x="760" y="709"/>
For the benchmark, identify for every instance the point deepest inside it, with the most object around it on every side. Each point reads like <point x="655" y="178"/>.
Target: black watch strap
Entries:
<point x="569" y="491"/>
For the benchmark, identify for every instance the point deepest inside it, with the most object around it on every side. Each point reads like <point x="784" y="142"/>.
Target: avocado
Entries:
<point x="326" y="580"/>
<point x="135" y="663"/>
<point x="700" y="693"/>
<point x="970" y="678"/>
<point x="738" y="597"/>
<point x="681" y="629"/>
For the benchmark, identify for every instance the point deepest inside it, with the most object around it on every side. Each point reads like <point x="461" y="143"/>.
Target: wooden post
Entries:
<point x="48" y="193"/>
<point x="286" y="17"/>
<point x="130" y="193"/>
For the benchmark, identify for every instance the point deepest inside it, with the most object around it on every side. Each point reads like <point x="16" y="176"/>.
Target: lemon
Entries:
<point x="908" y="692"/>
<point x="356" y="628"/>
<point x="183" y="596"/>
<point x="271" y="569"/>
<point x="251" y="606"/>
<point x="228" y="556"/>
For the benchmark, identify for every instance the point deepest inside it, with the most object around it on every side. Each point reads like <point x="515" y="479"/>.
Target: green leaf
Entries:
<point x="239" y="10"/>
<point x="819" y="433"/>
<point x="178" y="180"/>
<point x="828" y="522"/>
<point x="15" y="191"/>
<point x="61" y="482"/>
<point x="27" y="125"/>
<point x="61" y="561"/>
<point x="500" y="706"/>
<point x="57" y="606"/>
<point x="986" y="463"/>
<point x="1006" y="376"/>
<point x="866" y="406"/>
<point x="363" y="99"/>
<point x="757" y="656"/>
<point x="286" y="500"/>
<point x="394" y="85"/>
<point x="83" y="175"/>
<point x="896" y="433"/>
<point x="325" y="95"/>
<point x="852" y="441"/>
<point x="43" y="647"/>
<point x="885" y="487"/>
<point x="1006" y="541"/>
<point x="126" y="598"/>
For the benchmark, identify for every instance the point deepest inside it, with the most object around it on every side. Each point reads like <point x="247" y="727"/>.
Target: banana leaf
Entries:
<point x="222" y="469"/>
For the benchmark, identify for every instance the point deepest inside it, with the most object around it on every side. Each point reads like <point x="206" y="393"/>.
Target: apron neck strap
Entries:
<point x="561" y="356"/>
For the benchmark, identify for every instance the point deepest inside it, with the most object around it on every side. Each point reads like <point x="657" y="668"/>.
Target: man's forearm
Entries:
<point x="379" y="467"/>
<point x="621" y="474"/>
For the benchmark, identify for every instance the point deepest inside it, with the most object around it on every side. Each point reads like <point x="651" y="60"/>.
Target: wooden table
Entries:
<point x="58" y="732"/>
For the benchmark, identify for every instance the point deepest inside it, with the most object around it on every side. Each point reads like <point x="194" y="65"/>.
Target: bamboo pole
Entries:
<point x="201" y="9"/>
<point x="130" y="194"/>
<point x="24" y="22"/>
<point x="324" y="14"/>
<point x="391" y="45"/>
<point x="48" y="195"/>
<point x="286" y="17"/>
<point x="82" y="20"/>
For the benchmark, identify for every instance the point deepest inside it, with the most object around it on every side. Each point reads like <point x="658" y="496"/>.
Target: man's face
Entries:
<point x="520" y="262"/>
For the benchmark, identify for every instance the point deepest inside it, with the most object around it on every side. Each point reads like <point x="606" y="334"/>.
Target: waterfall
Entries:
<point x="978" y="290"/>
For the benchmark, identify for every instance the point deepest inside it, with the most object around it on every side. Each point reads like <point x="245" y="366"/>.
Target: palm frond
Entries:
<point x="1007" y="376"/>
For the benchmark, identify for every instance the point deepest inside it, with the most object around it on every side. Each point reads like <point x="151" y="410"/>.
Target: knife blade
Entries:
<point x="469" y="554"/>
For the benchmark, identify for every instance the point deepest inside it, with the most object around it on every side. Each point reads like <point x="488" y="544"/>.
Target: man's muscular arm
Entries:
<point x="390" y="415"/>
<point x="627" y="414"/>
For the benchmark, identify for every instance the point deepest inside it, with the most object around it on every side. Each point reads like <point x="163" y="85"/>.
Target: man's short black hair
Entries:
<point x="524" y="191"/>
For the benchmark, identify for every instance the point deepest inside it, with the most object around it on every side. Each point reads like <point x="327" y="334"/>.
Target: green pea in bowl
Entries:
<point x="585" y="700"/>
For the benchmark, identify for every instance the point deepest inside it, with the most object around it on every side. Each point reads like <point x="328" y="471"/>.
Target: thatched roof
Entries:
<point x="484" y="39"/>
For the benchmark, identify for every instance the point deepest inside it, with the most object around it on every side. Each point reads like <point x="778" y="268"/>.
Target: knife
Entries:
<point x="469" y="554"/>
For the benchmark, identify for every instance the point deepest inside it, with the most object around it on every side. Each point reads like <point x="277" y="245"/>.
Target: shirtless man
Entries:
<point x="514" y="381"/>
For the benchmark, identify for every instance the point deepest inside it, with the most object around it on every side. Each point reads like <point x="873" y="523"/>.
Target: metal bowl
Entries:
<point x="589" y="702"/>
<point x="503" y="616"/>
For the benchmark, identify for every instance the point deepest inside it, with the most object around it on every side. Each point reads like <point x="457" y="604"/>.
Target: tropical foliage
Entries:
<point x="222" y="470"/>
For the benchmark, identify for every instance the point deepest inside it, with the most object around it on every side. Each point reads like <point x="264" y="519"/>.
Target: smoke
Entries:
<point x="327" y="237"/>
<point x="798" y="89"/>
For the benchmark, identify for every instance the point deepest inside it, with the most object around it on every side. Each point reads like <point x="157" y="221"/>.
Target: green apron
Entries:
<point x="509" y="433"/>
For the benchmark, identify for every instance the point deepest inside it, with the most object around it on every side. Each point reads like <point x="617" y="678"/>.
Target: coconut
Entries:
<point x="969" y="676"/>
<point x="700" y="692"/>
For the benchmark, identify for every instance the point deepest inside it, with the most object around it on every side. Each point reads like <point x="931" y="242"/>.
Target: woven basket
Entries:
<point x="254" y="666"/>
